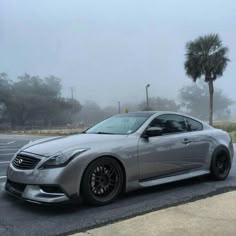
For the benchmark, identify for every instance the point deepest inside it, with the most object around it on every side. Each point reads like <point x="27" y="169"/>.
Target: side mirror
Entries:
<point x="152" y="132"/>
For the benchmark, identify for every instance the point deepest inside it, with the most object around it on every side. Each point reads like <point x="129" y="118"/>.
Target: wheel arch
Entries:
<point x="222" y="172"/>
<point x="220" y="147"/>
<point x="110" y="156"/>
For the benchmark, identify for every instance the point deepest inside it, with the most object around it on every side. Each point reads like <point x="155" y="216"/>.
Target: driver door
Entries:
<point x="169" y="153"/>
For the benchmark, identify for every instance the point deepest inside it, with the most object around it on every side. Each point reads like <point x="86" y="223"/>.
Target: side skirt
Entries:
<point x="165" y="180"/>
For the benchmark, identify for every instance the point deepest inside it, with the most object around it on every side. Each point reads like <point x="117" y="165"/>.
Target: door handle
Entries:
<point x="186" y="141"/>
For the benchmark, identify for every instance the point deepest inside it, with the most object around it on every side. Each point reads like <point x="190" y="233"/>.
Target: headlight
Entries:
<point x="61" y="158"/>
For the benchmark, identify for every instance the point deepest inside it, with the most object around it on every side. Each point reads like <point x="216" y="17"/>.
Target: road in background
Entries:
<point x="20" y="218"/>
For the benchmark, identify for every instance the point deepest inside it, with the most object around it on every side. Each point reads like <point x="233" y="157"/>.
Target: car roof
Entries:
<point x="149" y="114"/>
<point x="139" y="113"/>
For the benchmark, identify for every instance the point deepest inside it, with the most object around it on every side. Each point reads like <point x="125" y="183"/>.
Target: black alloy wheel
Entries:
<point x="221" y="165"/>
<point x="102" y="181"/>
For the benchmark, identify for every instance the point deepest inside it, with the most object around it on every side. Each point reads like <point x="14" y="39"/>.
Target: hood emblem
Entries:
<point x="20" y="161"/>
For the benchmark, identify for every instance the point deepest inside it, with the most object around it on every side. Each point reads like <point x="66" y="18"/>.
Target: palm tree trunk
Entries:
<point x="211" y="92"/>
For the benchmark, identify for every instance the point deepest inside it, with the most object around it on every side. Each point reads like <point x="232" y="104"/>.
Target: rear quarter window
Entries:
<point x="193" y="125"/>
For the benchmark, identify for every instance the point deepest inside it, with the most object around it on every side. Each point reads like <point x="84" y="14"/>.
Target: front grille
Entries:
<point x="25" y="162"/>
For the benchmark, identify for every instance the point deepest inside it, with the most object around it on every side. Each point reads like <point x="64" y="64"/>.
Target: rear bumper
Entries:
<point x="36" y="193"/>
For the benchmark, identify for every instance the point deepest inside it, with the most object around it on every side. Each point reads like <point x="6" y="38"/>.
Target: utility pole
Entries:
<point x="147" y="86"/>
<point x="118" y="107"/>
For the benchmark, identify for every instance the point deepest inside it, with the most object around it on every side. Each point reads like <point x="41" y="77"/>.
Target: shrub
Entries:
<point x="227" y="126"/>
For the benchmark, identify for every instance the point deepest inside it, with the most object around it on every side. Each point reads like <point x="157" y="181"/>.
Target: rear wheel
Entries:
<point x="220" y="165"/>
<point x="102" y="181"/>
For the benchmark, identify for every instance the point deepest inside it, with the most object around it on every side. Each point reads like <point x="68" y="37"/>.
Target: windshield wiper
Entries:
<point x="103" y="133"/>
<point x="99" y="133"/>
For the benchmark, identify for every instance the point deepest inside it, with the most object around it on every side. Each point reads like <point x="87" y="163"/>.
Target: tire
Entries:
<point x="220" y="164"/>
<point x="102" y="181"/>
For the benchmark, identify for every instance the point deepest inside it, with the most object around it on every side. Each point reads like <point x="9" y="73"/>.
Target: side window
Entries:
<point x="193" y="125"/>
<point x="169" y="123"/>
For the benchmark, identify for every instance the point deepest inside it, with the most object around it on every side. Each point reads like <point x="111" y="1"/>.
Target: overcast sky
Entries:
<point x="109" y="50"/>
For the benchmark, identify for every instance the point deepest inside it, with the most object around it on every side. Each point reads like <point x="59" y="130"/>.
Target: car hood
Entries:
<point x="49" y="146"/>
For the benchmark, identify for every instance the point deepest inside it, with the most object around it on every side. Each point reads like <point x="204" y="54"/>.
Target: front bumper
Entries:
<point x="44" y="185"/>
<point x="36" y="193"/>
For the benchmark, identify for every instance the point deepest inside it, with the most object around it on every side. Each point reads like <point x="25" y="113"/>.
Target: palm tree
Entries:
<point x="206" y="57"/>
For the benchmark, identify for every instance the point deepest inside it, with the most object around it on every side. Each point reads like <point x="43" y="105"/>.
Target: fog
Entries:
<point x="109" y="50"/>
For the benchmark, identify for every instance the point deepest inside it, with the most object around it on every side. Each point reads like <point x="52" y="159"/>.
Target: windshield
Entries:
<point x="118" y="125"/>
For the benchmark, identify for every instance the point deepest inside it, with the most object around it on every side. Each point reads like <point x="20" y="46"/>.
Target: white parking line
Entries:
<point x="8" y="149"/>
<point x="7" y="143"/>
<point x="3" y="177"/>
<point x="7" y="154"/>
<point x="4" y="162"/>
<point x="11" y="142"/>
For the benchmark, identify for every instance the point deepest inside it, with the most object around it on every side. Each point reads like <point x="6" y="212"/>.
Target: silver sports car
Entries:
<point x="120" y="154"/>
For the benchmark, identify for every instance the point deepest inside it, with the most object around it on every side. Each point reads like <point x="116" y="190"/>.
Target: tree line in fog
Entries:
<point x="32" y="100"/>
<point x="35" y="101"/>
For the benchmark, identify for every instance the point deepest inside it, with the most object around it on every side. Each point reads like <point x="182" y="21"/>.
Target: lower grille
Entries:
<point x="15" y="188"/>
<point x="25" y="162"/>
<point x="51" y="189"/>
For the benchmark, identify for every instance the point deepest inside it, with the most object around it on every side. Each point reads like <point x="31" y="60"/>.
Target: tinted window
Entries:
<point x="193" y="125"/>
<point x="169" y="123"/>
<point x="118" y="125"/>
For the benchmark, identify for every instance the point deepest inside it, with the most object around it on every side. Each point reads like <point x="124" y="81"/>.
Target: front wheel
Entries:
<point x="220" y="165"/>
<point x="102" y="181"/>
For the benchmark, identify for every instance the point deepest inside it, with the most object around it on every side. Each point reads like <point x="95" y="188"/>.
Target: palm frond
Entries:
<point x="206" y="56"/>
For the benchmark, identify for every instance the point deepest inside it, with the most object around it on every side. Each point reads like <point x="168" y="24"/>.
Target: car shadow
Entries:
<point x="75" y="206"/>
<point x="53" y="209"/>
<point x="140" y="195"/>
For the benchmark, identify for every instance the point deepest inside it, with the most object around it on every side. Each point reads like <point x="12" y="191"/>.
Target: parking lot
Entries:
<point x="21" y="218"/>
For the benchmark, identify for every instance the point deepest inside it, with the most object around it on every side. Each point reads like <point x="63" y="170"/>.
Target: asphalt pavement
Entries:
<point x="21" y="218"/>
